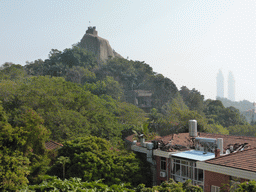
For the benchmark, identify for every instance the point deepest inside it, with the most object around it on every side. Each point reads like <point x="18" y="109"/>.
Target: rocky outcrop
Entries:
<point x="99" y="46"/>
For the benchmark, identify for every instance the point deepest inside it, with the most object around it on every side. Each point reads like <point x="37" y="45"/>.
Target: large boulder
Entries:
<point x="99" y="46"/>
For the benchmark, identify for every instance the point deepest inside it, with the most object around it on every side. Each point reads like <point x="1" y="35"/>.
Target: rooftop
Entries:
<point x="183" y="139"/>
<point x="195" y="155"/>
<point x="245" y="160"/>
<point x="52" y="145"/>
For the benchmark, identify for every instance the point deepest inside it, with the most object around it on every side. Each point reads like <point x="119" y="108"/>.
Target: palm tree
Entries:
<point x="63" y="160"/>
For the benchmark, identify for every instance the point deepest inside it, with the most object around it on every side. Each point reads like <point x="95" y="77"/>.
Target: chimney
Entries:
<point x="217" y="153"/>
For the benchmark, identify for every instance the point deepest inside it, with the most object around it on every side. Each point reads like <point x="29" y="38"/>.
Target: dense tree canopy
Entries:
<point x="217" y="113"/>
<point x="68" y="109"/>
<point x="22" y="150"/>
<point x="93" y="158"/>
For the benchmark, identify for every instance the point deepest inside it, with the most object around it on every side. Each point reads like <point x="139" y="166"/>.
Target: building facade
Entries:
<point x="182" y="157"/>
<point x="229" y="170"/>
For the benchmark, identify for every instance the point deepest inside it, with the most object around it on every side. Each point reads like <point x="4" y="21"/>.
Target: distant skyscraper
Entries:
<point x="231" y="86"/>
<point x="220" y="85"/>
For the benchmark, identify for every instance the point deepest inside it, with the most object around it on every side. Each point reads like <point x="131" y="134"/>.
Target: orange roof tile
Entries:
<point x="183" y="139"/>
<point x="245" y="160"/>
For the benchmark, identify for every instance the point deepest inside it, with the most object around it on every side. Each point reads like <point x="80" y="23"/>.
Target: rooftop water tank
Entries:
<point x="205" y="140"/>
<point x="150" y="146"/>
<point x="192" y="128"/>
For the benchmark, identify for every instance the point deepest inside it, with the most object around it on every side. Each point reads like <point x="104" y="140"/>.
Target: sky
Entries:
<point x="188" y="41"/>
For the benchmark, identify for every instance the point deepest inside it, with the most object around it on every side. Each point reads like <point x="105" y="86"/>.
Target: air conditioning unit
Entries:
<point x="162" y="174"/>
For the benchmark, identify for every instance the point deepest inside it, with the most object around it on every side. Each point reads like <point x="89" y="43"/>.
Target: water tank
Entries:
<point x="205" y="140"/>
<point x="192" y="128"/>
<point x="150" y="146"/>
<point x="220" y="145"/>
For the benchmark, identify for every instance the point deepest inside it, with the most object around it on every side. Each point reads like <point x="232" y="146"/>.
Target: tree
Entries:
<point x="218" y="114"/>
<point x="193" y="99"/>
<point x="248" y="186"/>
<point x="13" y="165"/>
<point x="176" y="116"/>
<point x="12" y="71"/>
<point x="14" y="169"/>
<point x="93" y="158"/>
<point x="63" y="160"/>
<point x="52" y="183"/>
<point x="218" y="129"/>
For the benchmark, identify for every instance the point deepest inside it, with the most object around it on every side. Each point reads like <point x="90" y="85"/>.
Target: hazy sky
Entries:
<point x="186" y="40"/>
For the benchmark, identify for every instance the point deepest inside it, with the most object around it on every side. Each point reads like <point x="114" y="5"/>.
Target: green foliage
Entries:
<point x="13" y="170"/>
<point x="245" y="130"/>
<point x="21" y="149"/>
<point x="163" y="90"/>
<point x="248" y="186"/>
<point x="61" y="63"/>
<point x="11" y="71"/>
<point x="193" y="99"/>
<point x="107" y="86"/>
<point x="176" y="116"/>
<point x="171" y="186"/>
<point x="52" y="183"/>
<point x="93" y="158"/>
<point x="129" y="114"/>
<point x="63" y="160"/>
<point x="81" y="75"/>
<point x="218" y="114"/>
<point x="67" y="109"/>
<point x="218" y="129"/>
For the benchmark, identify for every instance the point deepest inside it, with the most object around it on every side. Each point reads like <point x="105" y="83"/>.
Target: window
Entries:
<point x="163" y="163"/>
<point x="200" y="175"/>
<point x="215" y="189"/>
<point x="182" y="170"/>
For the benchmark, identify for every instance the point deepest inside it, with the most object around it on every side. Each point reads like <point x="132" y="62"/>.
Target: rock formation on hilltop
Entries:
<point x="99" y="46"/>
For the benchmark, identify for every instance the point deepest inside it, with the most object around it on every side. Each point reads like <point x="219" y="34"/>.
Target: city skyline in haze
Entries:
<point x="220" y="83"/>
<point x="187" y="41"/>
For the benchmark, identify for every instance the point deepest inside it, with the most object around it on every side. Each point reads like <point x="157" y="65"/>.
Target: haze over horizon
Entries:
<point x="187" y="41"/>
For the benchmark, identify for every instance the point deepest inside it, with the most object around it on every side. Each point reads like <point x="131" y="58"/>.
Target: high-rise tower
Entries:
<point x="231" y="86"/>
<point x="220" y="84"/>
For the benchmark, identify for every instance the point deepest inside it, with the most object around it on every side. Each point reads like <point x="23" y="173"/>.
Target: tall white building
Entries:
<point x="231" y="86"/>
<point x="220" y="84"/>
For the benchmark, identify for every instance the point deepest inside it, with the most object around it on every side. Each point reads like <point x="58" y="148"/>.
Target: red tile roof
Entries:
<point x="52" y="145"/>
<point x="245" y="160"/>
<point x="183" y="139"/>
